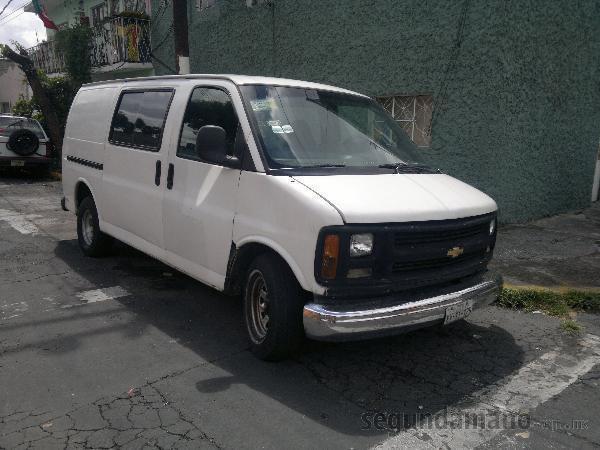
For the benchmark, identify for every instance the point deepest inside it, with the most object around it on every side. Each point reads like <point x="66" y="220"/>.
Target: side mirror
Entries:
<point x="211" y="146"/>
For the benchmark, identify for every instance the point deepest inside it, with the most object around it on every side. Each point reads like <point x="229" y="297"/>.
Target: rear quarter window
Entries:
<point x="139" y="119"/>
<point x="90" y="114"/>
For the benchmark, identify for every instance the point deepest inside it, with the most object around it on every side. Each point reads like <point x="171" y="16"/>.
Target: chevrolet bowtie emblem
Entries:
<point x="455" y="251"/>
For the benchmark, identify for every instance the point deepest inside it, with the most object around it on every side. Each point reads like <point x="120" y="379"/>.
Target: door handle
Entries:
<point x="170" y="174"/>
<point x="157" y="173"/>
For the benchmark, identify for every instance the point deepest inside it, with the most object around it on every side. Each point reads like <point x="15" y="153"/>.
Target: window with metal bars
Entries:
<point x="413" y="114"/>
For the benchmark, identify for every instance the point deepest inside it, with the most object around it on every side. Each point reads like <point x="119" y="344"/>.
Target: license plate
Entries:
<point x="17" y="163"/>
<point x="457" y="312"/>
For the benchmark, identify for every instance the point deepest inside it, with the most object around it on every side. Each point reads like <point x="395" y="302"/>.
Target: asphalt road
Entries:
<point x="124" y="351"/>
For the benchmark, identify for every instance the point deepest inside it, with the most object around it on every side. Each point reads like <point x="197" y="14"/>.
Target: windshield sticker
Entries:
<point x="277" y="129"/>
<point x="287" y="129"/>
<point x="263" y="104"/>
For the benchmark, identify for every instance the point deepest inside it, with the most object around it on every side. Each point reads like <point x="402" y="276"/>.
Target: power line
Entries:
<point x="441" y="98"/>
<point x="11" y="19"/>
<point x="14" y="10"/>
<point x="8" y="17"/>
<point x="160" y="12"/>
<point x="5" y="6"/>
<point x="164" y="40"/>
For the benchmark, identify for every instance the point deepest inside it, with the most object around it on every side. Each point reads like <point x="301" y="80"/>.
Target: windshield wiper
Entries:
<point x="403" y="167"/>
<point x="392" y="166"/>
<point x="324" y="166"/>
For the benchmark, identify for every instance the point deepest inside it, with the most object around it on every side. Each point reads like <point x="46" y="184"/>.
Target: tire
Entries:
<point x="23" y="142"/>
<point x="92" y="241"/>
<point x="271" y="290"/>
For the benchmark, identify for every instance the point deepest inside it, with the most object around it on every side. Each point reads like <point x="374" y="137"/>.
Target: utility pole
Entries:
<point x="180" y="30"/>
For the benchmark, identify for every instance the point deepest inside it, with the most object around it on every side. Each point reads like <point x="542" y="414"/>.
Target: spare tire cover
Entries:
<point x="23" y="142"/>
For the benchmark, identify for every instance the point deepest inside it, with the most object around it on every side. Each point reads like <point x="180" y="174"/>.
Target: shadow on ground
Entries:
<point x="423" y="371"/>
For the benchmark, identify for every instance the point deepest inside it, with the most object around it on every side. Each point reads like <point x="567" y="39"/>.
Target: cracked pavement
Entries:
<point x="165" y="364"/>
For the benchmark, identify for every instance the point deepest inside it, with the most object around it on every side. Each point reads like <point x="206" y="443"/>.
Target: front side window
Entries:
<point x="301" y="128"/>
<point x="207" y="106"/>
<point x="140" y="119"/>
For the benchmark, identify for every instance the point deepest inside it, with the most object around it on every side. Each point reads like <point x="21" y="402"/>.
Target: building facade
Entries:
<point x="13" y="85"/>
<point x="504" y="95"/>
<point x="120" y="44"/>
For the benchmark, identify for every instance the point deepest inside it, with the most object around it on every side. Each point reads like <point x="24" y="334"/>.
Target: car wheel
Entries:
<point x="92" y="241"/>
<point x="273" y="304"/>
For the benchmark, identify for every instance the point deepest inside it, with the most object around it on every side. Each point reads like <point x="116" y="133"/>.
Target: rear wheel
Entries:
<point x="92" y="241"/>
<point x="273" y="305"/>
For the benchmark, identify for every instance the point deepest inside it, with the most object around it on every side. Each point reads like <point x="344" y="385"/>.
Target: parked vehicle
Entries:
<point x="23" y="143"/>
<point x="307" y="199"/>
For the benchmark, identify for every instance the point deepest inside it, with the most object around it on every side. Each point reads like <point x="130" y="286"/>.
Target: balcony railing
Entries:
<point x="47" y="57"/>
<point x="115" y="43"/>
<point x="121" y="40"/>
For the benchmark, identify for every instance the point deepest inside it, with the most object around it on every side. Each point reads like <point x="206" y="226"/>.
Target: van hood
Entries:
<point x="399" y="197"/>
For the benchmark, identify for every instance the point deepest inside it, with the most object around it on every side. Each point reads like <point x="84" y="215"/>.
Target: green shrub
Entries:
<point x="550" y="302"/>
<point x="571" y="327"/>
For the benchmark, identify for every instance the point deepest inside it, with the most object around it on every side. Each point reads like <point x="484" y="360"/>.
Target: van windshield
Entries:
<point x="9" y="124"/>
<point x="302" y="128"/>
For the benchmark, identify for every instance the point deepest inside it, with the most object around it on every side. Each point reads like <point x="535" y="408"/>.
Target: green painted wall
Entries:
<point x="516" y="83"/>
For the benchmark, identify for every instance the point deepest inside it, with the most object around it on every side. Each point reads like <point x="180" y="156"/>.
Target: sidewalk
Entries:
<point x="557" y="252"/>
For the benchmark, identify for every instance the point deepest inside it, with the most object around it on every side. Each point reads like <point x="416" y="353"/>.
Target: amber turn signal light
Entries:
<point x="331" y="252"/>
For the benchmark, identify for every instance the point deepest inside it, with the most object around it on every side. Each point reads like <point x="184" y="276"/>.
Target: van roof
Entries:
<point x="236" y="79"/>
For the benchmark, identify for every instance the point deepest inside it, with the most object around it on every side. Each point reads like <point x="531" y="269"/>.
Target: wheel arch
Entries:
<point x="242" y="254"/>
<point x="83" y="190"/>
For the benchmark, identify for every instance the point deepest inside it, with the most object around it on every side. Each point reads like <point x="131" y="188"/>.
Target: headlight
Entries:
<point x="492" y="226"/>
<point x="361" y="244"/>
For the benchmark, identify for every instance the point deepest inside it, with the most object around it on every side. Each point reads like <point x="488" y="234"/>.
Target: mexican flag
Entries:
<point x="39" y="10"/>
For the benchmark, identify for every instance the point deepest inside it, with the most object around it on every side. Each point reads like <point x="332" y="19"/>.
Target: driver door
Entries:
<point x="200" y="199"/>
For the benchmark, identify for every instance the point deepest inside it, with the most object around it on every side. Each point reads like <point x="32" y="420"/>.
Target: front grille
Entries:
<point x="409" y="255"/>
<point x="436" y="263"/>
<point x="403" y="238"/>
<point x="425" y="253"/>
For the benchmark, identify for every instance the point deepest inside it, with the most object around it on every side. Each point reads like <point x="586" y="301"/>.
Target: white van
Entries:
<point x="307" y="199"/>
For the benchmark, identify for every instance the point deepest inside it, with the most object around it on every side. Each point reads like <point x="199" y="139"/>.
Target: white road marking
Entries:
<point x="101" y="295"/>
<point x="20" y="222"/>
<point x="12" y="310"/>
<point x="534" y="384"/>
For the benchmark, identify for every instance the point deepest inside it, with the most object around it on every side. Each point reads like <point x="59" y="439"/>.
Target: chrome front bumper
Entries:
<point x="342" y="322"/>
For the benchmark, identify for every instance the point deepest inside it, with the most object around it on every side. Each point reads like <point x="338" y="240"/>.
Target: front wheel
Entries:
<point x="92" y="241"/>
<point x="273" y="304"/>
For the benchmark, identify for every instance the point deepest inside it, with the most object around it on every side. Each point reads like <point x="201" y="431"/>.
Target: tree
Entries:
<point x="44" y="102"/>
<point x="75" y="43"/>
<point x="60" y="90"/>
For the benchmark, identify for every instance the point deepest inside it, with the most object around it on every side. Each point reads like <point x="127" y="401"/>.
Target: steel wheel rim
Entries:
<point x="87" y="227"/>
<point x="258" y="314"/>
